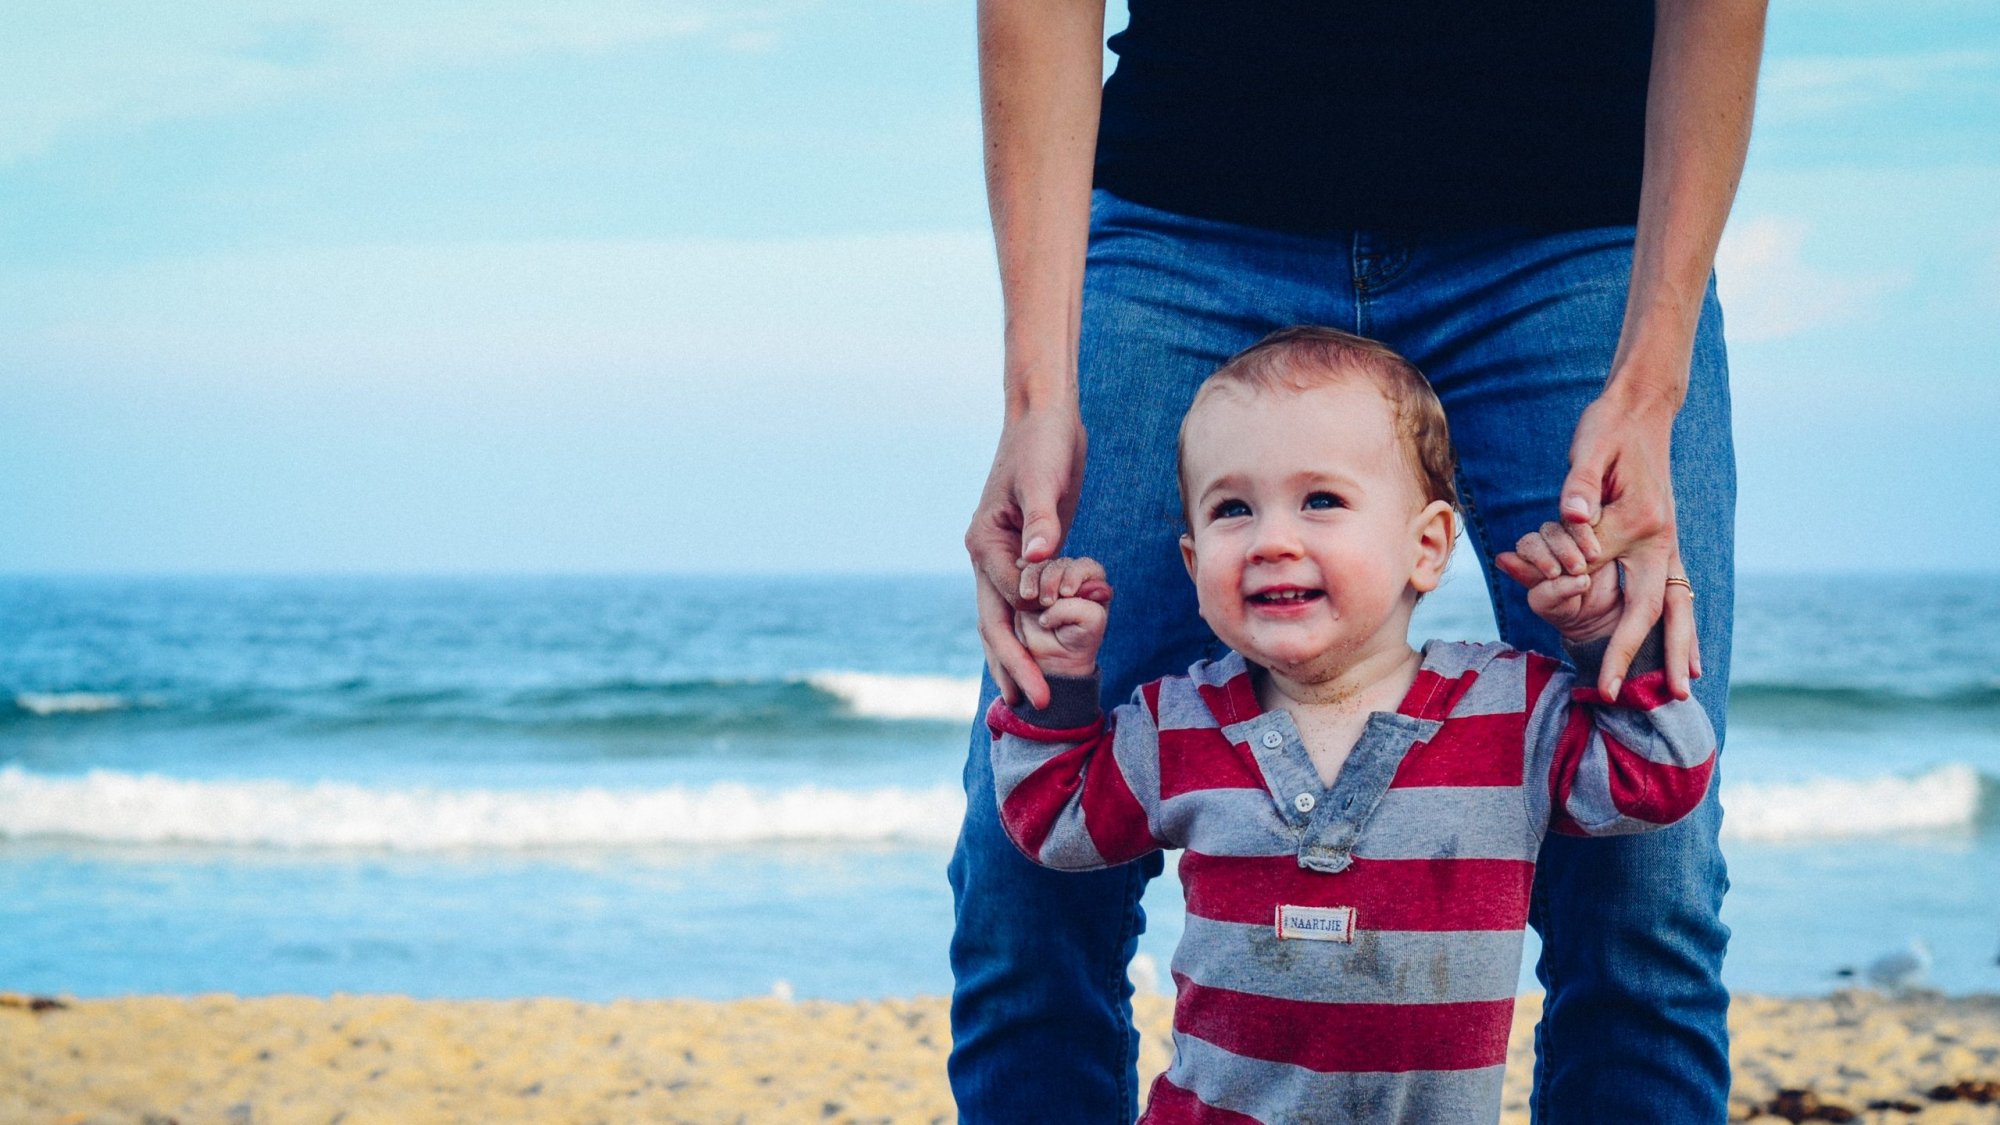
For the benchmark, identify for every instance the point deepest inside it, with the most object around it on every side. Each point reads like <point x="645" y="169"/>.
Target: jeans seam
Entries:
<point x="1354" y="272"/>
<point x="1360" y="289"/>
<point x="1357" y="285"/>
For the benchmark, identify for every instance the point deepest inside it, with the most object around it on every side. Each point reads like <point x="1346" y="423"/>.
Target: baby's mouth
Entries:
<point x="1288" y="595"/>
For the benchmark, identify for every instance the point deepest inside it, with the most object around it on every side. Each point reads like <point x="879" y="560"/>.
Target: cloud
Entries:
<point x="1769" y="291"/>
<point x="130" y="64"/>
<point x="1802" y="88"/>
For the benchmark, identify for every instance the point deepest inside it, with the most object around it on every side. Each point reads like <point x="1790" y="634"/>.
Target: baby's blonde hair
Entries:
<point x="1306" y="356"/>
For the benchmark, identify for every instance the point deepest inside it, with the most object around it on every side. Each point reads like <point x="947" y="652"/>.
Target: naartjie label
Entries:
<point x="1316" y="923"/>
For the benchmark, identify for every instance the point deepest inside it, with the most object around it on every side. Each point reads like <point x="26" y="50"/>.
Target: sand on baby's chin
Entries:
<point x="390" y="1060"/>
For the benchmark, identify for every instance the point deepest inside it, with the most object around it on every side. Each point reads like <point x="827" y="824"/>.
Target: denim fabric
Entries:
<point x="1516" y="330"/>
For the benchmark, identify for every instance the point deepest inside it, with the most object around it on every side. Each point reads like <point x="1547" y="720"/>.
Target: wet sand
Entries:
<point x="390" y="1060"/>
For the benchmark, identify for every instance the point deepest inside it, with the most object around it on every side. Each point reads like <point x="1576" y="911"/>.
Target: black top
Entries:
<point x="1410" y="115"/>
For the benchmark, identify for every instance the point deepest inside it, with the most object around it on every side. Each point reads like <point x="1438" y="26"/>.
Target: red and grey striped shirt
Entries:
<point x="1351" y="952"/>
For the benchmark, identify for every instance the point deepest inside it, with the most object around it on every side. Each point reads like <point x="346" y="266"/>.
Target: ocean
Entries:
<point x="719" y="787"/>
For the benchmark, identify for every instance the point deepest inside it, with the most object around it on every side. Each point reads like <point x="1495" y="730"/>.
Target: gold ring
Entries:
<point x="1684" y="584"/>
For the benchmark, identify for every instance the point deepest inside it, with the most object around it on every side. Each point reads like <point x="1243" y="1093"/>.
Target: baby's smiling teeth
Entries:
<point x="1284" y="595"/>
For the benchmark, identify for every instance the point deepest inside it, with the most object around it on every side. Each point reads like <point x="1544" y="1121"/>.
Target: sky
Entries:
<point x="424" y="286"/>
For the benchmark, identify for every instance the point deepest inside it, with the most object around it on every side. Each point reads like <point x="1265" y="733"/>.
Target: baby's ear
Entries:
<point x="1437" y="529"/>
<point x="1187" y="552"/>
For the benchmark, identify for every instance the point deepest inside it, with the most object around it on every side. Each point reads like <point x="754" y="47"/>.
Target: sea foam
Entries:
<point x="1948" y="797"/>
<point x="880" y="696"/>
<point x="69" y="702"/>
<point x="115" y="807"/>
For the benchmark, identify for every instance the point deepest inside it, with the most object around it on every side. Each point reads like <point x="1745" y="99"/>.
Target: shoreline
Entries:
<point x="363" y="1059"/>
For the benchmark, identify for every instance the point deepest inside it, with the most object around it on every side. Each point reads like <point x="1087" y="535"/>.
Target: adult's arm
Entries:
<point x="1040" y="68"/>
<point x="1698" y="109"/>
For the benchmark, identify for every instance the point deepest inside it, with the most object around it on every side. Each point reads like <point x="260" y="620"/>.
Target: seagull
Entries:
<point x="1901" y="970"/>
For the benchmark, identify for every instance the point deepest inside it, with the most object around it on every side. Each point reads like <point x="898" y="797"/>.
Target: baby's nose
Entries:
<point x="1275" y="539"/>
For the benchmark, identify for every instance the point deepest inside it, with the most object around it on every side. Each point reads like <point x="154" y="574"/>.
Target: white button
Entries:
<point x="1273" y="739"/>
<point x="1304" y="802"/>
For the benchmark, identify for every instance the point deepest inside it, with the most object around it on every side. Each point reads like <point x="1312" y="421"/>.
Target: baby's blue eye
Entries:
<point x="1229" y="509"/>
<point x="1323" y="501"/>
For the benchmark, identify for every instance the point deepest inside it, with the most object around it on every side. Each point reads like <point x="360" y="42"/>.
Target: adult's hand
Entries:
<point x="1699" y="96"/>
<point x="1698" y="105"/>
<point x="1620" y="482"/>
<point x="1041" y="69"/>
<point x="1029" y="497"/>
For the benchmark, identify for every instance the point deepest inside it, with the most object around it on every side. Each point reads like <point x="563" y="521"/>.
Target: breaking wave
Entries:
<point x="1954" y="796"/>
<point x="667" y="706"/>
<point x="70" y="702"/>
<point x="115" y="807"/>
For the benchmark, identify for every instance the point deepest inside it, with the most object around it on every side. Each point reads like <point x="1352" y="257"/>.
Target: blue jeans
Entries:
<point x="1516" y="331"/>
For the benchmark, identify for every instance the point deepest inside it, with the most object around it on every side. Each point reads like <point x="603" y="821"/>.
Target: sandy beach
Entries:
<point x="363" y="1060"/>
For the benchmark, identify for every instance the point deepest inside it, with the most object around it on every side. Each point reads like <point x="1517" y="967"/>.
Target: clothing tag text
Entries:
<point x="1316" y="923"/>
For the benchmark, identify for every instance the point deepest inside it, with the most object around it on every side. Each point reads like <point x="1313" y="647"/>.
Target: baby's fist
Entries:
<point x="1063" y="634"/>
<point x="1553" y="563"/>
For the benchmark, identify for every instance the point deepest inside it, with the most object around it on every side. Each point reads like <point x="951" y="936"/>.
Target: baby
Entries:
<point x="1360" y="819"/>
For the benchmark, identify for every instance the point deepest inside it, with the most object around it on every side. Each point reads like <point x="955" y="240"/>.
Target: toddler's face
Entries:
<point x="1308" y="534"/>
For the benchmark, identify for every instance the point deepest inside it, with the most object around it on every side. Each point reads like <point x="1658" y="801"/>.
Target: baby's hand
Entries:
<point x="1582" y="604"/>
<point x="1064" y="634"/>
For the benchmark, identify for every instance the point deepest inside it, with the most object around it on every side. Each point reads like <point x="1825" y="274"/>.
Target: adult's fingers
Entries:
<point x="1014" y="671"/>
<point x="1679" y="617"/>
<point x="1041" y="527"/>
<point x="990" y="604"/>
<point x="994" y="545"/>
<point x="1645" y="585"/>
<point x="1680" y="638"/>
<point x="1583" y="493"/>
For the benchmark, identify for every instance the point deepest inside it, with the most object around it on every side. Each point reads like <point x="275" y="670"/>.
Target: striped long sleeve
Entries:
<point x="1614" y="767"/>
<point x="1077" y="791"/>
<point x="1351" y="950"/>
